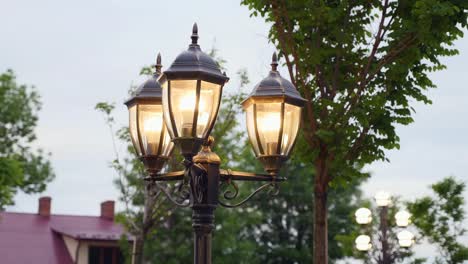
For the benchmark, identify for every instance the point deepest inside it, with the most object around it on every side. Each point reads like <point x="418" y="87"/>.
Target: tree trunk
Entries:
<point x="139" y="243"/>
<point x="386" y="259"/>
<point x="320" y="228"/>
<point x="321" y="210"/>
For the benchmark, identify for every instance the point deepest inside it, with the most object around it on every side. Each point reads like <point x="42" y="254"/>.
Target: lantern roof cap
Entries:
<point x="151" y="89"/>
<point x="194" y="63"/>
<point x="274" y="85"/>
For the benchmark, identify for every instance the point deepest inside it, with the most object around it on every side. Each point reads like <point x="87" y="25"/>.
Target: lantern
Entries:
<point x="363" y="243"/>
<point x="382" y="199"/>
<point x="403" y="218"/>
<point x="363" y="216"/>
<point x="148" y="131"/>
<point x="273" y="111"/>
<point x="405" y="238"/>
<point x="192" y="89"/>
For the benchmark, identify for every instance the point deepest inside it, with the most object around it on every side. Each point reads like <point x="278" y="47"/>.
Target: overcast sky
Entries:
<point x="78" y="53"/>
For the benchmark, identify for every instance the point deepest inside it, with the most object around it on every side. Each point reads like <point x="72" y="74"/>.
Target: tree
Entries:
<point x="359" y="82"/>
<point x="441" y="218"/>
<point x="285" y="233"/>
<point x="21" y="166"/>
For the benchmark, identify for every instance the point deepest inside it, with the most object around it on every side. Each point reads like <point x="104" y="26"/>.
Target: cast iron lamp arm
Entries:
<point x="182" y="195"/>
<point x="194" y="178"/>
<point x="188" y="186"/>
<point x="230" y="195"/>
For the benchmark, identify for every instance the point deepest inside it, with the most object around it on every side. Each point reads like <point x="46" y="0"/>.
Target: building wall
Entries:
<point x="79" y="249"/>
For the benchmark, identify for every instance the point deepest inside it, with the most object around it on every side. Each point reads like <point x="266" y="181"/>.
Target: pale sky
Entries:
<point x="78" y="53"/>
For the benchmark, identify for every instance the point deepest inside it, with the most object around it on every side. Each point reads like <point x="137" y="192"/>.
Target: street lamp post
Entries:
<point x="402" y="218"/>
<point x="183" y="103"/>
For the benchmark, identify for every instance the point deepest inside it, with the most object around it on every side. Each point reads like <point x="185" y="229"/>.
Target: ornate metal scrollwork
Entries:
<point x="182" y="196"/>
<point x="274" y="190"/>
<point x="229" y="194"/>
<point x="191" y="188"/>
<point x="198" y="181"/>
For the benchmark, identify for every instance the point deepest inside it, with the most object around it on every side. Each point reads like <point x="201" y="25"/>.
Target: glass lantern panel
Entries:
<point x="166" y="115"/>
<point x="292" y="118"/>
<point x="268" y="126"/>
<point x="207" y="107"/>
<point x="151" y="123"/>
<point x="251" y="129"/>
<point x="133" y="128"/>
<point x="168" y="145"/>
<point x="183" y="98"/>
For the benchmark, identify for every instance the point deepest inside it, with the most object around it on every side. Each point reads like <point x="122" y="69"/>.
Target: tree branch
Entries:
<point x="287" y="45"/>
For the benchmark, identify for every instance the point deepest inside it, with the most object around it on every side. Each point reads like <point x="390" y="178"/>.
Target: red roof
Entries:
<point x="32" y="238"/>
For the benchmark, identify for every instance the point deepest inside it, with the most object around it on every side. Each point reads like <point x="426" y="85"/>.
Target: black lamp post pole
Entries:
<point x="386" y="258"/>
<point x="204" y="188"/>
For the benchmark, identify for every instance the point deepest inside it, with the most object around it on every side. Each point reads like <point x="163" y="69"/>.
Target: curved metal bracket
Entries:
<point x="182" y="195"/>
<point x="193" y="184"/>
<point x="230" y="195"/>
<point x="191" y="188"/>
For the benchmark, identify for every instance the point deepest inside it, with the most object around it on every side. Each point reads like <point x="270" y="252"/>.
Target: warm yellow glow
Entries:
<point x="153" y="123"/>
<point x="188" y="102"/>
<point x="133" y="128"/>
<point x="405" y="238"/>
<point x="363" y="243"/>
<point x="270" y="124"/>
<point x="203" y="118"/>
<point x="152" y="126"/>
<point x="383" y="198"/>
<point x="187" y="108"/>
<point x="363" y="216"/>
<point x="265" y="121"/>
<point x="403" y="218"/>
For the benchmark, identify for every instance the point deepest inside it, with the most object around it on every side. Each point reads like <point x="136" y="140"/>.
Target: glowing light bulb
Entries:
<point x="405" y="238"/>
<point x="151" y="131"/>
<point x="403" y="218"/>
<point x="270" y="124"/>
<point x="363" y="216"/>
<point x="383" y="198"/>
<point x="363" y="243"/>
<point x="187" y="106"/>
<point x="153" y="123"/>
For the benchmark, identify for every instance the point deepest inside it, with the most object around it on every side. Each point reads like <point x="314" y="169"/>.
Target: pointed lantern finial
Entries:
<point x="274" y="62"/>
<point x="158" y="65"/>
<point x="194" y="34"/>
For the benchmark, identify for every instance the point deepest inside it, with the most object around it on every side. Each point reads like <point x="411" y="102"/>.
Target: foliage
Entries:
<point x="441" y="218"/>
<point x="285" y="233"/>
<point x="22" y="167"/>
<point x="360" y="64"/>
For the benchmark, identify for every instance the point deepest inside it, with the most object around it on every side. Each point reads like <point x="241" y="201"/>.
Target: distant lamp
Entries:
<point x="273" y="112"/>
<point x="383" y="199"/>
<point x="147" y="128"/>
<point x="192" y="88"/>
<point x="405" y="238"/>
<point x="363" y="243"/>
<point x="363" y="216"/>
<point x="403" y="218"/>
